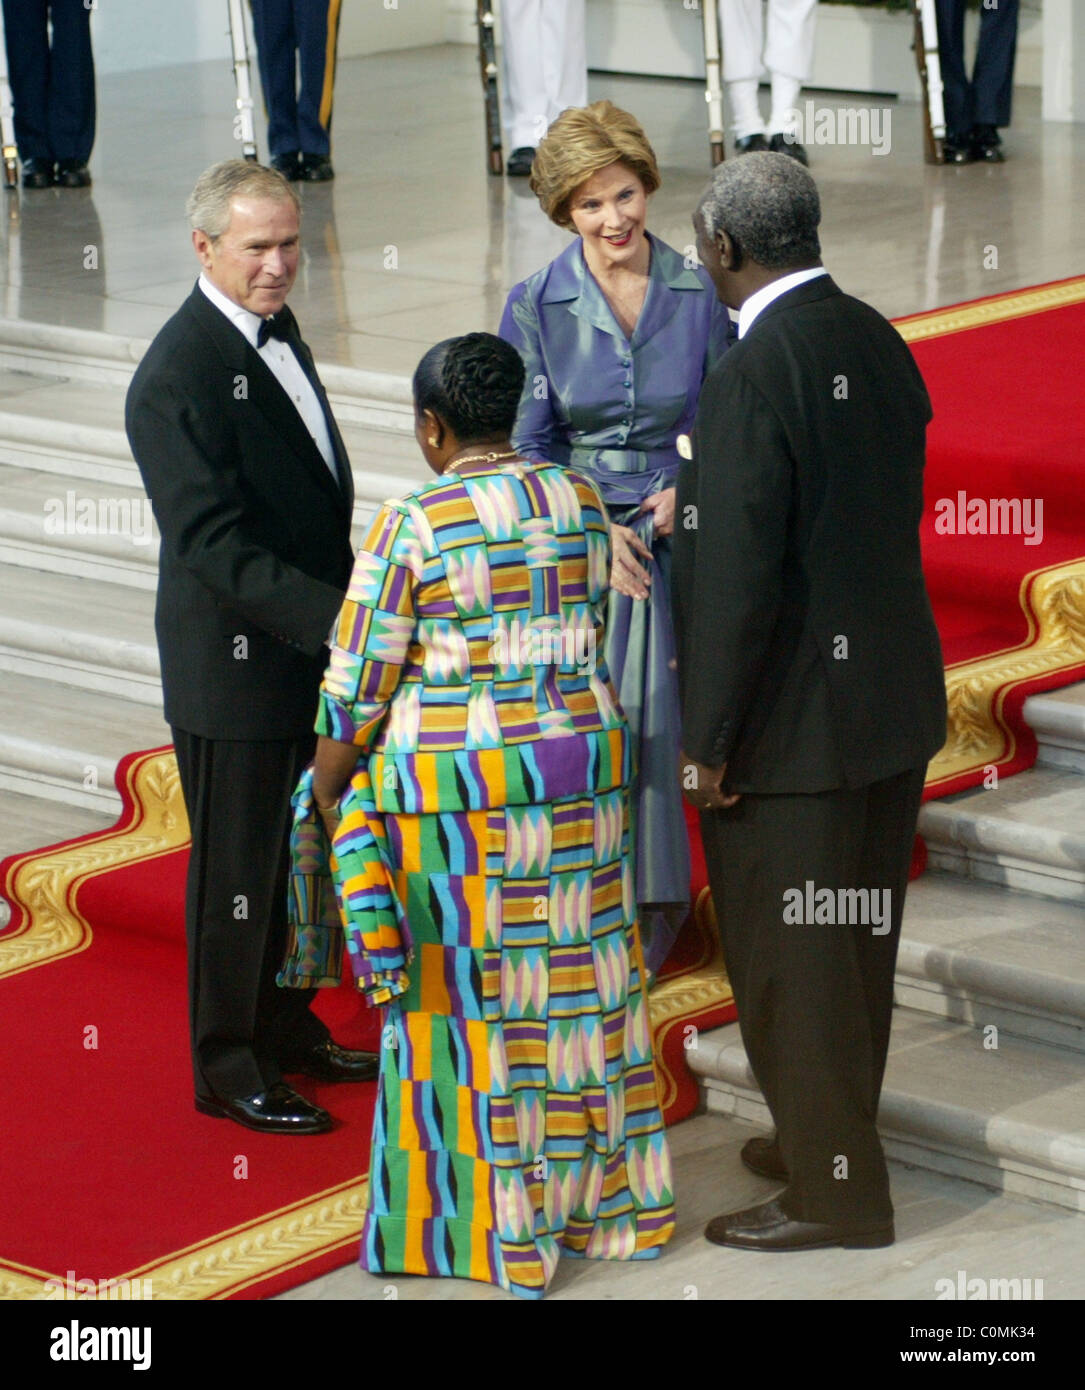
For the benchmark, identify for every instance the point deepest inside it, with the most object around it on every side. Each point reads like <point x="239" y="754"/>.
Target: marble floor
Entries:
<point x="943" y="1225"/>
<point x="414" y="241"/>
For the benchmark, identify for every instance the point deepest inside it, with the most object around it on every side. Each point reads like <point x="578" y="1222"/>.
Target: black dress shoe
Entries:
<point x="327" y="1061"/>
<point x="768" y="1227"/>
<point x="72" y="173"/>
<point x="957" y="149"/>
<point x="288" y="165"/>
<point x="278" y="1110"/>
<point x="316" y="168"/>
<point x="986" y="144"/>
<point x="520" y="162"/>
<point x="787" y="144"/>
<point x="751" y="144"/>
<point x="37" y="173"/>
<point x="762" y="1156"/>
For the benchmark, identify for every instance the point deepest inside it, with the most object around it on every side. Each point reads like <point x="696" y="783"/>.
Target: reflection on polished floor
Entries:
<point x="414" y="241"/>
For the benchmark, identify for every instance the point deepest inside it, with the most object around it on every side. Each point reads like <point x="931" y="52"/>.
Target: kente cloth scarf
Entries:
<point x="344" y="890"/>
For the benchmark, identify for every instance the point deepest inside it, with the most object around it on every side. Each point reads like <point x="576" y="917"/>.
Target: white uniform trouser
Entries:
<point x="544" y="61"/>
<point x="785" y="46"/>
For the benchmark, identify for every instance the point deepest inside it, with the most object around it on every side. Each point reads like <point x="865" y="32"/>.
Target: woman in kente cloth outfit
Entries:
<point x="616" y="335"/>
<point x="472" y="775"/>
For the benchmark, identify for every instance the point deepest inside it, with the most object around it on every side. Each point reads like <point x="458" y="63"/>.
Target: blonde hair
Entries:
<point x="583" y="140"/>
<point x="208" y="205"/>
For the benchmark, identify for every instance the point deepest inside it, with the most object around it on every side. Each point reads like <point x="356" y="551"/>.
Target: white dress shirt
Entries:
<point x="285" y="368"/>
<point x="764" y="297"/>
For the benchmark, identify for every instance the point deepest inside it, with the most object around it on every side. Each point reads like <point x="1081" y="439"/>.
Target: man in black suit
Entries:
<point x="252" y="492"/>
<point x="812" y="690"/>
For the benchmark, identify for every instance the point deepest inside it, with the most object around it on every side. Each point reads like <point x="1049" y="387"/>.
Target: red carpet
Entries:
<point x="1003" y="377"/>
<point x="114" y="1176"/>
<point x="118" y="1178"/>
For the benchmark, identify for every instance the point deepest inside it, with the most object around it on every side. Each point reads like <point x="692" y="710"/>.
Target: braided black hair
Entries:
<point x="473" y="384"/>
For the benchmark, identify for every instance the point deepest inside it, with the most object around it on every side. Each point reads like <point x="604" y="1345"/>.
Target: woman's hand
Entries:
<point x="330" y="815"/>
<point x="662" y="505"/>
<point x="626" y="574"/>
<point x="332" y="770"/>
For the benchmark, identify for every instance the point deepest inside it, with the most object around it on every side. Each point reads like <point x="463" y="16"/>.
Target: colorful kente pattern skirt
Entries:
<point x="517" y="1113"/>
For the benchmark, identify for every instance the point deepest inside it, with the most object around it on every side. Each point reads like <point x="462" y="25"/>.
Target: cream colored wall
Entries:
<point x="133" y="34"/>
<point x="376" y="26"/>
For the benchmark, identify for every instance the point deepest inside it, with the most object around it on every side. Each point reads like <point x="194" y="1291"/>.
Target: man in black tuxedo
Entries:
<point x="252" y="492"/>
<point x="812" y="690"/>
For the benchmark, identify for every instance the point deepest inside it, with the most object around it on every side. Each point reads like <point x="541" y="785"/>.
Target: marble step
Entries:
<point x="1011" y="1117"/>
<point x="28" y="822"/>
<point x="60" y="744"/>
<point x="1057" y="718"/>
<point x="79" y="632"/>
<point x="106" y="532"/>
<point x="1028" y="833"/>
<point x="359" y="396"/>
<point x="974" y="953"/>
<point x="76" y="428"/>
<point x="85" y="532"/>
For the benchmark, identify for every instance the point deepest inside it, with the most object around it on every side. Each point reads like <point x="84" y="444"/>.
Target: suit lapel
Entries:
<point x="266" y="395"/>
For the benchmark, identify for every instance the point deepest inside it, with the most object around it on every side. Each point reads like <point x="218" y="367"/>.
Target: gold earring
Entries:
<point x="433" y="441"/>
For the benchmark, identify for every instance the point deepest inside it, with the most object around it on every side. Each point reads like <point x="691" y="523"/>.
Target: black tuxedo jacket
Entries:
<point x="255" y="554"/>
<point x="808" y="655"/>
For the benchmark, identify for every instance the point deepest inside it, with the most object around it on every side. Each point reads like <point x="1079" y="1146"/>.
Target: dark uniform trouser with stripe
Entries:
<point x="243" y="1025"/>
<point x="815" y="1000"/>
<point x="293" y="34"/>
<point x="52" y="88"/>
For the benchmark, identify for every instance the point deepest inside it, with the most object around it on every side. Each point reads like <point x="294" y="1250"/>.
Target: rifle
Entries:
<point x="7" y="118"/>
<point x="244" y="129"/>
<point x="487" y="62"/>
<point x="713" y="91"/>
<point x="930" y="76"/>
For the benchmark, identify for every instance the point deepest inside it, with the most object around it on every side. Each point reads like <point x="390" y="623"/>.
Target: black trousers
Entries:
<point x="293" y="36"/>
<point x="52" y="86"/>
<point x="987" y="98"/>
<point x="243" y="1026"/>
<point x="815" y="998"/>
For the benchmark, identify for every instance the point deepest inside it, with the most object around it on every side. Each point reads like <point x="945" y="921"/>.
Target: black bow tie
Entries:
<point x="282" y="326"/>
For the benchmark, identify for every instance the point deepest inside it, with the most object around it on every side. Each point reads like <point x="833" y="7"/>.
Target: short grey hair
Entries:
<point x="768" y="205"/>
<point x="208" y="206"/>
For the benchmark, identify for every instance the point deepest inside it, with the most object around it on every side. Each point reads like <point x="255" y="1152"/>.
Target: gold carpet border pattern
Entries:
<point x="1053" y="602"/>
<point x="936" y="323"/>
<point x="46" y="883"/>
<point x="234" y="1260"/>
<point x="680" y="1000"/>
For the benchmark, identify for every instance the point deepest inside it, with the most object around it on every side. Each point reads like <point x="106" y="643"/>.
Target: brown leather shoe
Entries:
<point x="762" y="1156"/>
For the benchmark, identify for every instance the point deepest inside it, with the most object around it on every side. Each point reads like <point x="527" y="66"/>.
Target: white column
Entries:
<point x="1064" y="60"/>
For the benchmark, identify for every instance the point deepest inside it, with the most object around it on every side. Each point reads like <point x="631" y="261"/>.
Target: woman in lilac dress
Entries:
<point x="617" y="334"/>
